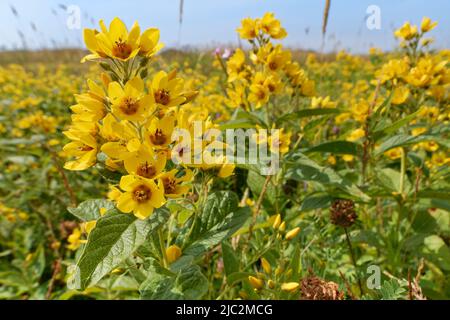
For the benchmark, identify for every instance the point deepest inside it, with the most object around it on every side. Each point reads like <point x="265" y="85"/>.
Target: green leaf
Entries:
<point x="219" y="218"/>
<point x="392" y="128"/>
<point x="314" y="202"/>
<point x="393" y="290"/>
<point x="238" y="124"/>
<point x="115" y="237"/>
<point x="90" y="210"/>
<point x="437" y="251"/>
<point x="338" y="147"/>
<point x="434" y="194"/>
<point x="401" y="140"/>
<point x="255" y="181"/>
<point x="238" y="276"/>
<point x="304" y="169"/>
<point x="390" y="180"/>
<point x="230" y="259"/>
<point x="188" y="284"/>
<point x="307" y="113"/>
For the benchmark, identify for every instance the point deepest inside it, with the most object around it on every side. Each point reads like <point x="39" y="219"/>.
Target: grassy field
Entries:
<point x="92" y="205"/>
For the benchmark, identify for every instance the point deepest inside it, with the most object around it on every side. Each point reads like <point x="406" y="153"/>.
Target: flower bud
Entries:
<point x="292" y="234"/>
<point x="256" y="283"/>
<point x="173" y="253"/>
<point x="277" y="221"/>
<point x="290" y="286"/>
<point x="266" y="266"/>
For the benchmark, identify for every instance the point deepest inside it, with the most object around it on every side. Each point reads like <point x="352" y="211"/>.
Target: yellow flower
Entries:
<point x="427" y="72"/>
<point x="418" y="131"/>
<point x="84" y="149"/>
<point x="130" y="103"/>
<point x="123" y="138"/>
<point x="281" y="142"/>
<point x="331" y="160"/>
<point x="89" y="226"/>
<point x="356" y="135"/>
<point x="144" y="163"/>
<point x="439" y="159"/>
<point x="141" y="196"/>
<point x="114" y="193"/>
<point x="90" y="39"/>
<point x="259" y="95"/>
<point x="348" y="157"/>
<point x="173" y="253"/>
<point x="342" y="118"/>
<point x="429" y="112"/>
<point x="277" y="59"/>
<point x="322" y="102"/>
<point x="272" y="26"/>
<point x="394" y="153"/>
<point x="360" y="110"/>
<point x="235" y="66"/>
<point x="149" y="43"/>
<point x="249" y="28"/>
<point x="158" y="133"/>
<point x="394" y="69"/>
<point x="175" y="184"/>
<point x="406" y="32"/>
<point x="226" y="170"/>
<point x="236" y="96"/>
<point x="271" y="81"/>
<point x="116" y="42"/>
<point x="427" y="25"/>
<point x="166" y="90"/>
<point x="400" y="95"/>
<point x="75" y="240"/>
<point x="308" y="88"/>
<point x="430" y="146"/>
<point x="90" y="106"/>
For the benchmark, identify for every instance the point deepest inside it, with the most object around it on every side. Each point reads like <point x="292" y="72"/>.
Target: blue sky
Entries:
<point x="213" y="22"/>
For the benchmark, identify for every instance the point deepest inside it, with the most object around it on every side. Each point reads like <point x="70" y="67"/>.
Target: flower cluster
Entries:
<point x="126" y="122"/>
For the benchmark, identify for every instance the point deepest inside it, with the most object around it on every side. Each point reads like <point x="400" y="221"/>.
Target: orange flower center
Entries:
<point x="129" y="106"/>
<point x="273" y="65"/>
<point x="159" y="138"/>
<point x="162" y="97"/>
<point x="261" y="95"/>
<point x="170" y="185"/>
<point x="85" y="148"/>
<point x="142" y="194"/>
<point x="146" y="170"/>
<point x="121" y="49"/>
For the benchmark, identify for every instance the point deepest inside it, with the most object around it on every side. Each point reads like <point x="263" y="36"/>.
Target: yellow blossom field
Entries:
<point x="131" y="170"/>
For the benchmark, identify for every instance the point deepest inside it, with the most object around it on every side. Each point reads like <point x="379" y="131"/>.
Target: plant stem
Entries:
<point x="349" y="243"/>
<point x="258" y="206"/>
<point x="163" y="248"/>
<point x="402" y="172"/>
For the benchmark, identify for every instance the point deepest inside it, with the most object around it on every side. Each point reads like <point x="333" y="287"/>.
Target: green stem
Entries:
<point x="163" y="248"/>
<point x="402" y="172"/>
<point x="352" y="255"/>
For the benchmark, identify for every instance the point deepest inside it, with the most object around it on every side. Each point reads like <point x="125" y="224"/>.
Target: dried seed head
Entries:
<point x="343" y="213"/>
<point x="314" y="288"/>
